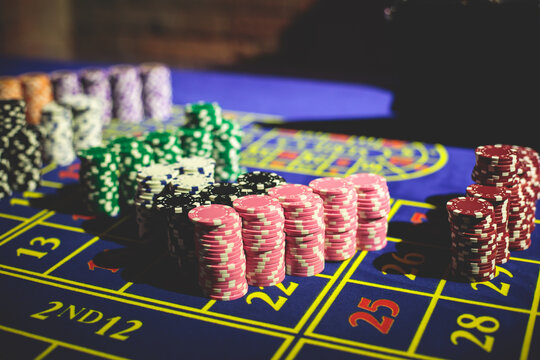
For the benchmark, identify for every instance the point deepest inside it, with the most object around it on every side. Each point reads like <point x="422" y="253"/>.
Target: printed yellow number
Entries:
<point x="411" y="259"/>
<point x="278" y="304"/>
<point x="40" y="315"/>
<point x="505" y="287"/>
<point x="484" y="324"/>
<point x="41" y="241"/>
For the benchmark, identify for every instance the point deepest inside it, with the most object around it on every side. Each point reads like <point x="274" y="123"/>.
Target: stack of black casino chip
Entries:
<point x="258" y="182"/>
<point x="222" y="193"/>
<point x="474" y="238"/>
<point x="20" y="153"/>
<point x="180" y="230"/>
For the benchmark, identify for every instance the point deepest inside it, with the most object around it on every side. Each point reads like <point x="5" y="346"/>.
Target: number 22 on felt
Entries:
<point x="384" y="325"/>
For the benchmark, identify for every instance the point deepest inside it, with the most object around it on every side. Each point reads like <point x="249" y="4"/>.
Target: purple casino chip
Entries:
<point x="126" y="90"/>
<point x="95" y="83"/>
<point x="65" y="83"/>
<point x="156" y="90"/>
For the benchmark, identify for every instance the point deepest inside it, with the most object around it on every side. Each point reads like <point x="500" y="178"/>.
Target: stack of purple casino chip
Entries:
<point x="156" y="90"/>
<point x="64" y="83"/>
<point x="126" y="90"/>
<point x="95" y="83"/>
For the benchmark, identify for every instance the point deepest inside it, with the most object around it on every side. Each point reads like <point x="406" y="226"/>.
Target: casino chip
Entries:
<point x="263" y="237"/>
<point x="151" y="183"/>
<point x="99" y="180"/>
<point x="221" y="193"/>
<point x="373" y="207"/>
<point x="86" y="120"/>
<point x="197" y="165"/>
<point x="220" y="252"/>
<point x="166" y="146"/>
<point x="174" y="209"/>
<point x="258" y="182"/>
<point x="499" y="199"/>
<point x="56" y="121"/>
<point x="340" y="216"/>
<point x="37" y="92"/>
<point x="134" y="155"/>
<point x="156" y="90"/>
<point x="126" y="93"/>
<point x="64" y="83"/>
<point x="10" y="88"/>
<point x="474" y="238"/>
<point x="95" y="83"/>
<point x="505" y="166"/>
<point x="304" y="228"/>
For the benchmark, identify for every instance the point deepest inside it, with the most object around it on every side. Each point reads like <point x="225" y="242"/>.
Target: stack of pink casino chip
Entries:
<point x="373" y="207"/>
<point x="304" y="228"/>
<point x="220" y="253"/>
<point x="340" y="218"/>
<point x="263" y="237"/>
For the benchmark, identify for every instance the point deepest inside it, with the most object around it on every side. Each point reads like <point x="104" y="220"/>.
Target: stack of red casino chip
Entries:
<point x="264" y="239"/>
<point x="497" y="165"/>
<point x="528" y="173"/>
<point x="220" y="254"/>
<point x="340" y="218"/>
<point x="373" y="207"/>
<point x="474" y="245"/>
<point x="304" y="228"/>
<point x="499" y="197"/>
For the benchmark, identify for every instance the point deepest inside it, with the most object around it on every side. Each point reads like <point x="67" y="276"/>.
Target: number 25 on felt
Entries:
<point x="384" y="325"/>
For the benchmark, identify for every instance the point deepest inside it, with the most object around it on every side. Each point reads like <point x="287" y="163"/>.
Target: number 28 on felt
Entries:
<point x="369" y="308"/>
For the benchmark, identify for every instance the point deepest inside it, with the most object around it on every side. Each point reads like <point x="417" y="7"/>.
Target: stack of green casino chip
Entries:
<point x="196" y="141"/>
<point x="134" y="154"/>
<point x="227" y="149"/>
<point x="98" y="177"/>
<point x="203" y="115"/>
<point x="166" y="146"/>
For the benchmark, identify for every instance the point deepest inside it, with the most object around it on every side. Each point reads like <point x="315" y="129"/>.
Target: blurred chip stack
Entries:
<point x="37" y="91"/>
<point x="95" y="83"/>
<point x="156" y="90"/>
<point x="65" y="83"/>
<point x="126" y="91"/>
<point x="10" y="88"/>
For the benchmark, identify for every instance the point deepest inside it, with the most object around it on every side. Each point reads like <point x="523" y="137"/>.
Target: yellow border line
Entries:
<point x="28" y="227"/>
<point x="24" y="223"/>
<point x="60" y="343"/>
<point x="425" y="319"/>
<point x="152" y="307"/>
<point x="48" y="168"/>
<point x="70" y="256"/>
<point x="303" y="341"/>
<point x="52" y="184"/>
<point x="46" y="352"/>
<point x="13" y="217"/>
<point x="530" y="324"/>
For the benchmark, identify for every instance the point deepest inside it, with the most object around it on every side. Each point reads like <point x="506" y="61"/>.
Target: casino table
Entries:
<point x="80" y="287"/>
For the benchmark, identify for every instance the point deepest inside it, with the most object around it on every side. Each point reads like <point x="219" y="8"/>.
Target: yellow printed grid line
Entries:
<point x="57" y="343"/>
<point x="32" y="222"/>
<point x="531" y="322"/>
<point x="152" y="307"/>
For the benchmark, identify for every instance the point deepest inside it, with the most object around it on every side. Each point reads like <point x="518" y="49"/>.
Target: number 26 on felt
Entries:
<point x="369" y="306"/>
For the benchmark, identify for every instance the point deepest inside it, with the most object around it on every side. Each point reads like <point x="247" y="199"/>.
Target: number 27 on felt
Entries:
<point x="368" y="305"/>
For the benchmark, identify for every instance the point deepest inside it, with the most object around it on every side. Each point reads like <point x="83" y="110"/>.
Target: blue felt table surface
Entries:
<point x="291" y="98"/>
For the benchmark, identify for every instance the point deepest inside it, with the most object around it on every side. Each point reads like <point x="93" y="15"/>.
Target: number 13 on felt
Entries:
<point x="368" y="305"/>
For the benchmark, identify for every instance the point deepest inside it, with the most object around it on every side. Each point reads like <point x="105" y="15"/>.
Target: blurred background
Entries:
<point x="450" y="64"/>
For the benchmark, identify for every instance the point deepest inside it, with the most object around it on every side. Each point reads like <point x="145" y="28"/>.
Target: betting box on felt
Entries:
<point x="77" y="287"/>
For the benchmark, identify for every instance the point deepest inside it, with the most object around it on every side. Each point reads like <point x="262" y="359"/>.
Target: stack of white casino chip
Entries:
<point x="340" y="219"/>
<point x="189" y="183"/>
<point x="373" y="206"/>
<point x="304" y="228"/>
<point x="151" y="182"/>
<point x="86" y="120"/>
<point x="56" y="121"/>
<point x="220" y="253"/>
<point x="264" y="240"/>
<point x="197" y="165"/>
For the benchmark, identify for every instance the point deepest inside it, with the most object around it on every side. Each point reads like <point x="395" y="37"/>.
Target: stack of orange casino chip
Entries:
<point x="10" y="88"/>
<point x="37" y="91"/>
